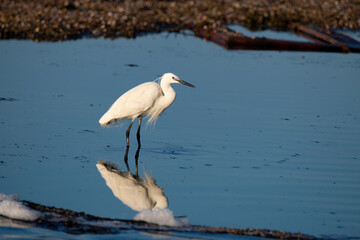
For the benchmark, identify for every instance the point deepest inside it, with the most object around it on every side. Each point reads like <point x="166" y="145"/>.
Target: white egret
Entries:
<point x="147" y="99"/>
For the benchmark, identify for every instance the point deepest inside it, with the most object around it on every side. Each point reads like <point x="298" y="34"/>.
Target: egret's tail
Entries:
<point x="109" y="119"/>
<point x="104" y="120"/>
<point x="103" y="124"/>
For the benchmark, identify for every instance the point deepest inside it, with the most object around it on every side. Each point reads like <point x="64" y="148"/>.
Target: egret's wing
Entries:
<point x="140" y="99"/>
<point x="134" y="102"/>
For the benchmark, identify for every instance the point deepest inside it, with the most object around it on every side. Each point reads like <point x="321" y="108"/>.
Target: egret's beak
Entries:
<point x="185" y="83"/>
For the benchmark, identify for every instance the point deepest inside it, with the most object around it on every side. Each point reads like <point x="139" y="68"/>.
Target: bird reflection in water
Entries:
<point x="137" y="193"/>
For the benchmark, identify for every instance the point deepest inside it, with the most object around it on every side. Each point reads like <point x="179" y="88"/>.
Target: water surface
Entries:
<point x="267" y="139"/>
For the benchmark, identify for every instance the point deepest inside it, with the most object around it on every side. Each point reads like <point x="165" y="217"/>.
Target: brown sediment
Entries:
<point x="52" y="20"/>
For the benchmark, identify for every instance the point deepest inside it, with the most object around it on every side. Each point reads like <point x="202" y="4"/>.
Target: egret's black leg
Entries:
<point x="138" y="133"/>
<point x="128" y="132"/>
<point x="126" y="158"/>
<point x="136" y="160"/>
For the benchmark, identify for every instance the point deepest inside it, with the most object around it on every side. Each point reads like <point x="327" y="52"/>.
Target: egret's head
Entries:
<point x="172" y="78"/>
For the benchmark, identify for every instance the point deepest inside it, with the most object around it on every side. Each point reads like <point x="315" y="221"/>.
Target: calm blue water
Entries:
<point x="267" y="139"/>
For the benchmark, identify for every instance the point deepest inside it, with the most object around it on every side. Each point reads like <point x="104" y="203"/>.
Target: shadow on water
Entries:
<point x="141" y="194"/>
<point x="137" y="193"/>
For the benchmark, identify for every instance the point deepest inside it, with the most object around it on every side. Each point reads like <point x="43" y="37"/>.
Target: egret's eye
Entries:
<point x="173" y="77"/>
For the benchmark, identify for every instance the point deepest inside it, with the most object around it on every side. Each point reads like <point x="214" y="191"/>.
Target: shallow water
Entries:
<point x="271" y="34"/>
<point x="267" y="139"/>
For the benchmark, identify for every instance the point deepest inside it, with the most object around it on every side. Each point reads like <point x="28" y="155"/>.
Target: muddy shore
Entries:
<point x="72" y="222"/>
<point x="53" y="20"/>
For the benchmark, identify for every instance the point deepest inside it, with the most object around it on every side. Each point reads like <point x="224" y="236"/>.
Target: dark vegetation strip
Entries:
<point x="53" y="20"/>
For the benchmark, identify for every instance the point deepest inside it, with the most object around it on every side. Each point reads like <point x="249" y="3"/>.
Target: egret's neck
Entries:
<point x="168" y="93"/>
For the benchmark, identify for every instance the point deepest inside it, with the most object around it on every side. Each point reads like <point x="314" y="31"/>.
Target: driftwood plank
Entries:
<point x="230" y="39"/>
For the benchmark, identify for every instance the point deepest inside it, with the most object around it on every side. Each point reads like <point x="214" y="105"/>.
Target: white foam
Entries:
<point x="11" y="207"/>
<point x="162" y="217"/>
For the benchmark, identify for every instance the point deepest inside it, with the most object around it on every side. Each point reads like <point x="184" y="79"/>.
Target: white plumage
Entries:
<point x="136" y="102"/>
<point x="147" y="99"/>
